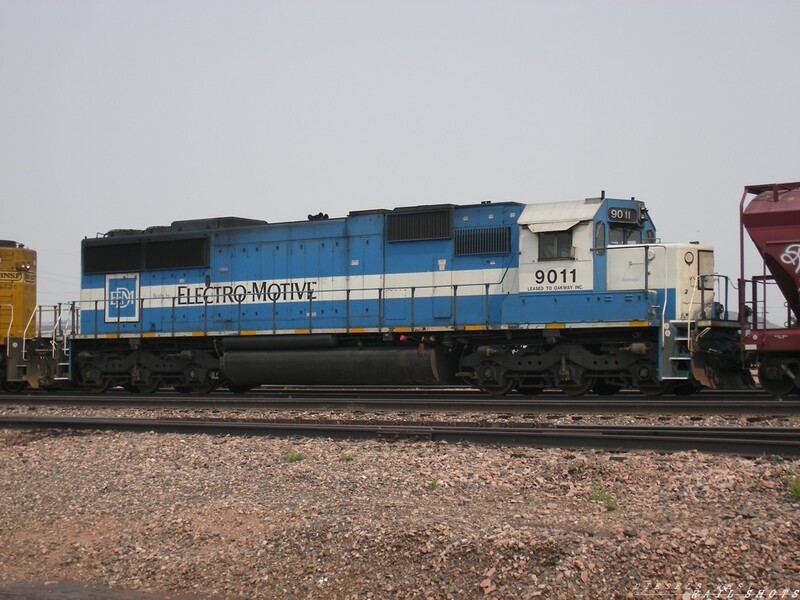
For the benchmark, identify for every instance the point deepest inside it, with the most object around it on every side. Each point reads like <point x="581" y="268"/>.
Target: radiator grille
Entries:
<point x="177" y="254"/>
<point x="110" y="258"/>
<point x="483" y="240"/>
<point x="146" y="255"/>
<point x="425" y="225"/>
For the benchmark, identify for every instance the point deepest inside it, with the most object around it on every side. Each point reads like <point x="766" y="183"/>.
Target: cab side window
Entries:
<point x="600" y="239"/>
<point x="555" y="245"/>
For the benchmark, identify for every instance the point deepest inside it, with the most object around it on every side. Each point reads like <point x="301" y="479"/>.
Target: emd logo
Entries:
<point x="122" y="298"/>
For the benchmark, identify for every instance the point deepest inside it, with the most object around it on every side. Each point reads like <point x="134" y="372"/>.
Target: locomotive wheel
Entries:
<point x="603" y="388"/>
<point x="573" y="380"/>
<point x="685" y="388"/>
<point x="206" y="387"/>
<point x="239" y="389"/>
<point x="151" y="387"/>
<point x="654" y="389"/>
<point x="197" y="388"/>
<point x="13" y="387"/>
<point x="578" y="388"/>
<point x="775" y="377"/>
<point x="500" y="389"/>
<point x="93" y="380"/>
<point x="205" y="382"/>
<point x="530" y="390"/>
<point x="201" y="381"/>
<point x="101" y="387"/>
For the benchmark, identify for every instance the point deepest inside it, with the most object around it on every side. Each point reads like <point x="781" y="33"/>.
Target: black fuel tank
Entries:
<point x="339" y="366"/>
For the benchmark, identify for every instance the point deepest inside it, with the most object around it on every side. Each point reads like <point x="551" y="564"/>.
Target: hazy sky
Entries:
<point x="126" y="114"/>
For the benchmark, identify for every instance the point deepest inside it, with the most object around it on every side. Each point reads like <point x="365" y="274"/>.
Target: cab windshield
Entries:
<point x="624" y="234"/>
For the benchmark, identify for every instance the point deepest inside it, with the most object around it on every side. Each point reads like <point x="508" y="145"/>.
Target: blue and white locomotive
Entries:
<point x="571" y="295"/>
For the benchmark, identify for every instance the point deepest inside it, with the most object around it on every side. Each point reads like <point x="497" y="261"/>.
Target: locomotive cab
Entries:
<point x="563" y="244"/>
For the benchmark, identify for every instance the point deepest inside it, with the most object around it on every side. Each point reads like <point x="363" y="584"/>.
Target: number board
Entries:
<point x="623" y="215"/>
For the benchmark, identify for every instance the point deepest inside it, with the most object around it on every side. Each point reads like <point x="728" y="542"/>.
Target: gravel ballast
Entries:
<point x="262" y="517"/>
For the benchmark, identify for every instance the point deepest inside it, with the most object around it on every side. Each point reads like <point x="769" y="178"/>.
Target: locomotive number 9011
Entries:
<point x="555" y="276"/>
<point x="623" y="215"/>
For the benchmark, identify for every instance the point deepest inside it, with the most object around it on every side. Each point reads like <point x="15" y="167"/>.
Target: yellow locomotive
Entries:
<point x="34" y="341"/>
<point x="17" y="307"/>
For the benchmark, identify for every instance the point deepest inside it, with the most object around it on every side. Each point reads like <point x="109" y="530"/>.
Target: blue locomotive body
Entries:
<point x="338" y="275"/>
<point x="501" y="295"/>
<point x="428" y="269"/>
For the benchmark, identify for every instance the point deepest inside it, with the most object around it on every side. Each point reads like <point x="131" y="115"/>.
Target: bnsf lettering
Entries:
<point x="237" y="294"/>
<point x="10" y="275"/>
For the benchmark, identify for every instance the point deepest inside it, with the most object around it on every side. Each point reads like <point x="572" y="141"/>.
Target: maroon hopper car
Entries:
<point x="772" y="220"/>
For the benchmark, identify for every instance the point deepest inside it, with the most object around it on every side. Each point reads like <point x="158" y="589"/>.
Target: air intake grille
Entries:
<point x="110" y="258"/>
<point x="146" y="255"/>
<point x="176" y="254"/>
<point x="483" y="240"/>
<point x="426" y="225"/>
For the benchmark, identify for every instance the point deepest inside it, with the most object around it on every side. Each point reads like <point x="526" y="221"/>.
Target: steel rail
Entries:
<point x="403" y="402"/>
<point x="269" y="391"/>
<point x="746" y="441"/>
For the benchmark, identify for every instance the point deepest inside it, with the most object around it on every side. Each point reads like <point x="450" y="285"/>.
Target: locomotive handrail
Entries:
<point x="171" y="303"/>
<point x="57" y="329"/>
<point x="716" y="277"/>
<point x="377" y="296"/>
<point x="756" y="306"/>
<point x="25" y="332"/>
<point x="75" y="312"/>
<point x="10" y="324"/>
<point x="28" y="323"/>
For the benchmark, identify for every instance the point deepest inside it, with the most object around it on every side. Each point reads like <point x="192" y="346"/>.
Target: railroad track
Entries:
<point x="746" y="441"/>
<point x="426" y="400"/>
